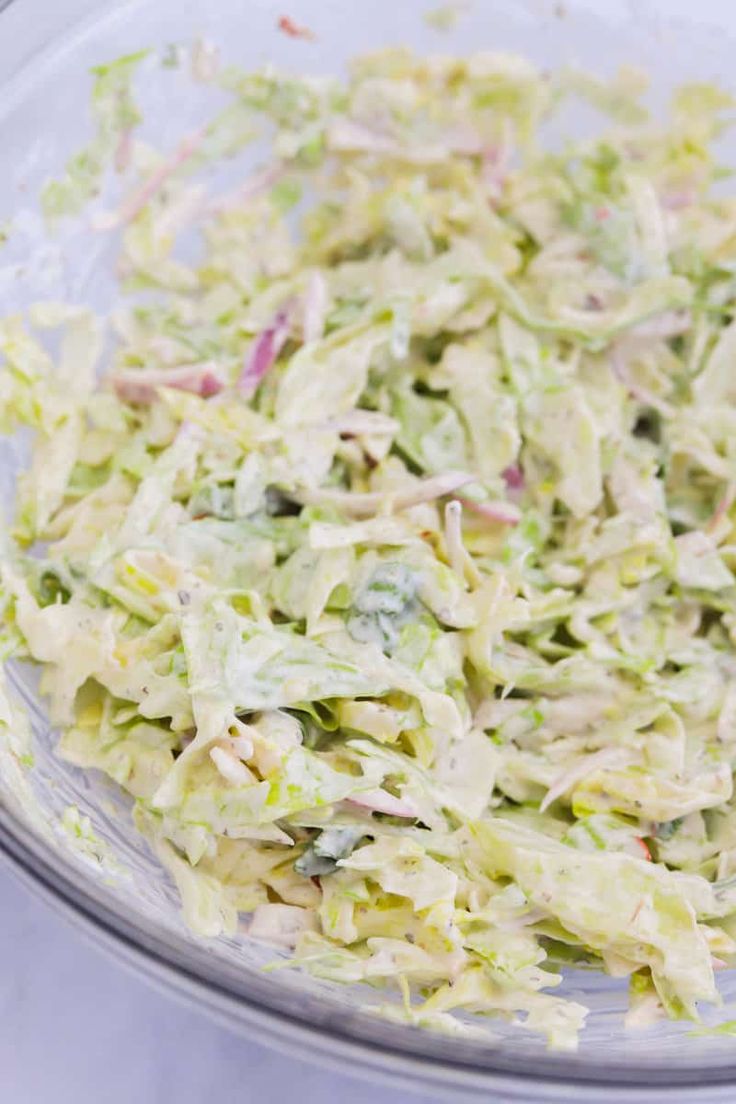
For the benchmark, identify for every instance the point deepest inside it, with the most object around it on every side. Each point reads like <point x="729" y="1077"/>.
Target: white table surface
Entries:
<point x="77" y="1028"/>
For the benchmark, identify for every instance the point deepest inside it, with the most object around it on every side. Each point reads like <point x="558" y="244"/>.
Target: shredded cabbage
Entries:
<point x="390" y="565"/>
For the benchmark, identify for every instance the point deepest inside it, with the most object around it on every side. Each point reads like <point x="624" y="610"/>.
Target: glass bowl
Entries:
<point x="122" y="897"/>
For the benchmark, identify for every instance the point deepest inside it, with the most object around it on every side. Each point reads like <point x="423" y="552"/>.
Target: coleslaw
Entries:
<point x="389" y="563"/>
